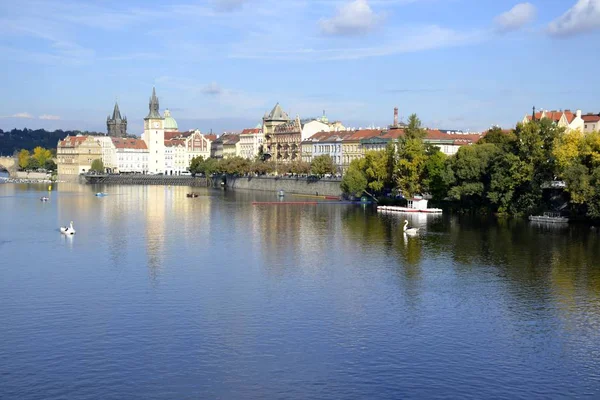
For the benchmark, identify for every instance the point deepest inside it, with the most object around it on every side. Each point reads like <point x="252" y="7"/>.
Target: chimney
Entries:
<point x="578" y="113"/>
<point x="395" y="116"/>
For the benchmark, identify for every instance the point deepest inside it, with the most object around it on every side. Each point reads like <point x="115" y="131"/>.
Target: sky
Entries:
<point x="221" y="64"/>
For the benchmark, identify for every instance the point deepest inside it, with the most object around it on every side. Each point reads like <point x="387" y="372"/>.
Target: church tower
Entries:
<point x="154" y="137"/>
<point x="117" y="125"/>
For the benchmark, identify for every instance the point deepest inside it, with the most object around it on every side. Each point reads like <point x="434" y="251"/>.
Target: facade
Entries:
<point x="351" y="146"/>
<point x="175" y="157"/>
<point x="131" y="155"/>
<point x="251" y="143"/>
<point x="286" y="140"/>
<point x="231" y="145"/>
<point x="108" y="153"/>
<point x="591" y="123"/>
<point x="198" y="145"/>
<point x="270" y="121"/>
<point x="75" y="154"/>
<point x="154" y="137"/>
<point x="325" y="143"/>
<point x="116" y="126"/>
<point x="564" y="119"/>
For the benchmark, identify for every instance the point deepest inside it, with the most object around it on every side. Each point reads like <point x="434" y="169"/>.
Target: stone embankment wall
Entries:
<point x="30" y="175"/>
<point x="324" y="187"/>
<point x="149" y="180"/>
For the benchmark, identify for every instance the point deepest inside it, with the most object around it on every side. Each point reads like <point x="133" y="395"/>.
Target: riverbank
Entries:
<point x="298" y="185"/>
<point x="25" y="180"/>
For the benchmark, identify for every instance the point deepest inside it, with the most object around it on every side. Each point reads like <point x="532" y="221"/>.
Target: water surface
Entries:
<point x="159" y="296"/>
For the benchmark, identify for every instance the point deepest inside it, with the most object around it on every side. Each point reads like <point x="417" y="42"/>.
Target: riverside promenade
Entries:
<point x="137" y="179"/>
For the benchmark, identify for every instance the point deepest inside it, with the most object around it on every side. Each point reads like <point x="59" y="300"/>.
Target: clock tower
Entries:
<point x="154" y="136"/>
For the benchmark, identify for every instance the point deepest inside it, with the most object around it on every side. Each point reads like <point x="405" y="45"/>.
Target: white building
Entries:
<point x="154" y="137"/>
<point x="565" y="119"/>
<point x="175" y="157"/>
<point x="131" y="155"/>
<point x="251" y="142"/>
<point x="591" y="123"/>
<point x="108" y="153"/>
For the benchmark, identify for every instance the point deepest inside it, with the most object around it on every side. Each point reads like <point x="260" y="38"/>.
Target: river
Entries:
<point x="159" y="296"/>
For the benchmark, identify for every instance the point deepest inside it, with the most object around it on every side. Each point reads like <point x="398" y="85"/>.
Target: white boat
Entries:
<point x="67" y="230"/>
<point x="549" y="218"/>
<point x="415" y="205"/>
<point x="44" y="199"/>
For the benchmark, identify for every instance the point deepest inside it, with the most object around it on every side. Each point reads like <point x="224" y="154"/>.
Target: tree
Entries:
<point x="434" y="169"/>
<point x="354" y="181"/>
<point x="322" y="165"/>
<point x="41" y="155"/>
<point x="300" y="167"/>
<point x="197" y="166"/>
<point x="413" y="129"/>
<point x="410" y="166"/>
<point x="23" y="159"/>
<point x="375" y="168"/>
<point x="50" y="165"/>
<point x="33" y="164"/>
<point x="97" y="166"/>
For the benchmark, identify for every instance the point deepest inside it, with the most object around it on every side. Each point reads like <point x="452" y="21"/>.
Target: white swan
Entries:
<point x="68" y="230"/>
<point x="409" y="231"/>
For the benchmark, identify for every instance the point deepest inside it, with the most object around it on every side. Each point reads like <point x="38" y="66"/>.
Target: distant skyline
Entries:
<point x="221" y="64"/>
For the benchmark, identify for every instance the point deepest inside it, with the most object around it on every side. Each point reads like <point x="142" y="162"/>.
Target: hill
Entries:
<point x="17" y="139"/>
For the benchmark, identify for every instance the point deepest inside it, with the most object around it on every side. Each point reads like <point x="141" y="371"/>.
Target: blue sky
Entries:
<point x="220" y="64"/>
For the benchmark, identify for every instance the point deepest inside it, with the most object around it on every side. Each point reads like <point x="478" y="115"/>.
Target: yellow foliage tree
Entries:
<point x="567" y="148"/>
<point x="41" y="155"/>
<point x="23" y="159"/>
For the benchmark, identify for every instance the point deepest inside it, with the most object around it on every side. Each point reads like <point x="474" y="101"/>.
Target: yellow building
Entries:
<point x="75" y="154"/>
<point x="351" y="147"/>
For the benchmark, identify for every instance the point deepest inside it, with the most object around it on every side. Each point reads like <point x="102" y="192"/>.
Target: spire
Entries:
<point x="153" y="106"/>
<point x="533" y="115"/>
<point x="116" y="112"/>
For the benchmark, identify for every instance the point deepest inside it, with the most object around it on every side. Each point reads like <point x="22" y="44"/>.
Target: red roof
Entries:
<point x="212" y="138"/>
<point x="72" y="141"/>
<point x="251" y="131"/>
<point x="174" y="142"/>
<point x="591" y="118"/>
<point x="127" y="143"/>
<point x="172" y="135"/>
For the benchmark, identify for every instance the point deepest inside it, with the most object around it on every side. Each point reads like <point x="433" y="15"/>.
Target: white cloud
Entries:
<point x="353" y="18"/>
<point x="24" y="115"/>
<point x="517" y="17"/>
<point x="49" y="117"/>
<point x="583" y="17"/>
<point x="409" y="41"/>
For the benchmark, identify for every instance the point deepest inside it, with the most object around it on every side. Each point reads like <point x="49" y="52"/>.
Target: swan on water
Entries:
<point x="410" y="231"/>
<point x="68" y="230"/>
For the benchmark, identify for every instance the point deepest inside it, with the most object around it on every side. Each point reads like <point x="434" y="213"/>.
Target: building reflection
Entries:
<point x="154" y="204"/>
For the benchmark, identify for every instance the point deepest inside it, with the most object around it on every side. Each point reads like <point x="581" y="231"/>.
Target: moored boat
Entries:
<point x="549" y="218"/>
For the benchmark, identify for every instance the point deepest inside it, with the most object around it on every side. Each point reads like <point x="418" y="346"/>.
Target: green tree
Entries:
<point x="97" y="165"/>
<point x="375" y="168"/>
<point x="197" y="166"/>
<point x="434" y="171"/>
<point x="354" y="181"/>
<point x="33" y="164"/>
<point x="413" y="129"/>
<point x="23" y="159"/>
<point x="50" y="165"/>
<point x="410" y="166"/>
<point x="300" y="167"/>
<point x="322" y="165"/>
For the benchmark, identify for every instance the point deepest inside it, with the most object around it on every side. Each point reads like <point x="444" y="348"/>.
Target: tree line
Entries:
<point x="320" y="166"/>
<point x="39" y="158"/>
<point x="12" y="141"/>
<point x="505" y="172"/>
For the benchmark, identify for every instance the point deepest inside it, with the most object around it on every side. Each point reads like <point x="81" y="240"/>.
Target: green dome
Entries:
<point x="170" y="123"/>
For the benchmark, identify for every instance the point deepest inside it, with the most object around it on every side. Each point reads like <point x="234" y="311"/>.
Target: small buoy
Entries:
<point x="49" y="188"/>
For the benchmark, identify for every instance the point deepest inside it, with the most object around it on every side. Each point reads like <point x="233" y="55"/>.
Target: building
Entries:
<point x="251" y="143"/>
<point x="75" y="154"/>
<point x="591" y="122"/>
<point x="564" y="119"/>
<point x="270" y="121"/>
<point x="285" y="141"/>
<point x="108" y="153"/>
<point x="116" y="126"/>
<point x="170" y="124"/>
<point x="175" y="157"/>
<point x="351" y="145"/>
<point x="198" y="145"/>
<point x="131" y="155"/>
<point x="154" y="137"/>
<point x="231" y="145"/>
<point x="325" y="143"/>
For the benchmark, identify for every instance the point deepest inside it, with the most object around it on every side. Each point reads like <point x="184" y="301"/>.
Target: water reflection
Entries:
<point x="254" y="296"/>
